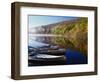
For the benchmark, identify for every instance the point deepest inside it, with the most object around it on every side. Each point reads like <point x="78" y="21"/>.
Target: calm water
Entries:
<point x="75" y="51"/>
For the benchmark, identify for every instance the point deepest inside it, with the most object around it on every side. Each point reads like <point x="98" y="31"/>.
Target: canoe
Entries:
<point x="45" y="59"/>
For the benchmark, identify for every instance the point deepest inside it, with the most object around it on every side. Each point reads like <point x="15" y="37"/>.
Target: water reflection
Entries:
<point x="66" y="51"/>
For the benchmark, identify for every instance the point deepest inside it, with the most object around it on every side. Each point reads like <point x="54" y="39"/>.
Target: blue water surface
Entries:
<point x="75" y="57"/>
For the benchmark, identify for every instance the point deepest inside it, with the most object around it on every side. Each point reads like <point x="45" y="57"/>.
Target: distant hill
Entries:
<point x="47" y="28"/>
<point x="61" y="27"/>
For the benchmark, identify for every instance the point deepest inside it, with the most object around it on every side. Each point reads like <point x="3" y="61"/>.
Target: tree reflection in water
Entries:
<point x="75" y="50"/>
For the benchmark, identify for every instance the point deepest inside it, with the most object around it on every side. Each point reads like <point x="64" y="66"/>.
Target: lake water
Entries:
<point x="73" y="52"/>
